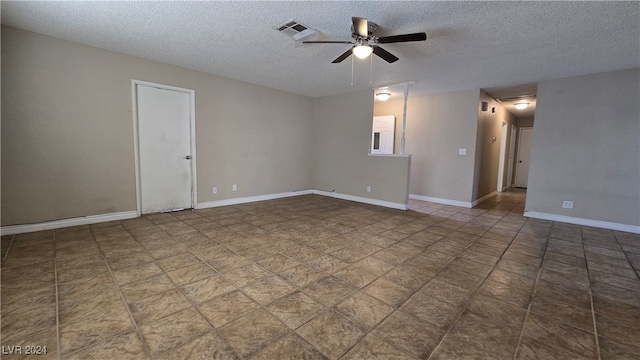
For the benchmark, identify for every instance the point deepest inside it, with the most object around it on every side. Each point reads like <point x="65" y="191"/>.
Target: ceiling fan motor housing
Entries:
<point x="371" y="29"/>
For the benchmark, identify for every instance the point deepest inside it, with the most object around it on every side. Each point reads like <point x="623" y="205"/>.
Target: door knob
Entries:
<point x="188" y="157"/>
<point x="520" y="161"/>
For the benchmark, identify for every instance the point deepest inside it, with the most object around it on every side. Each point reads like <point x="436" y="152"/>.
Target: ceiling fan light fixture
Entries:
<point x="521" y="105"/>
<point x="383" y="96"/>
<point x="362" y="51"/>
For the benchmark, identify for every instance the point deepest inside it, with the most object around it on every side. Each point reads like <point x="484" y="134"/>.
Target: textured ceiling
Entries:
<point x="497" y="46"/>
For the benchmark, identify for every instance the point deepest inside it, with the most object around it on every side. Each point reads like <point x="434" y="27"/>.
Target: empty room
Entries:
<point x="320" y="180"/>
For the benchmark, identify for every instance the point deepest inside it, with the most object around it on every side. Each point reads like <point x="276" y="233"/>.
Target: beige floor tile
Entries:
<point x="372" y="347"/>
<point x="300" y="275"/>
<point x="533" y="349"/>
<point x="453" y="347"/>
<point x="41" y="345"/>
<point x="409" y="277"/>
<point x="207" y="288"/>
<point x="355" y="276"/>
<point x="406" y="332"/>
<point x="138" y="290"/>
<point x="86" y="332"/>
<point x="332" y="334"/>
<point x="24" y="321"/>
<point x="226" y="308"/>
<point x="138" y="272"/>
<point x="364" y="310"/>
<point x="388" y="292"/>
<point x="246" y="274"/>
<point x="127" y="346"/>
<point x="427" y="308"/>
<point x="328" y="291"/>
<point x="268" y="289"/>
<point x="295" y="309"/>
<point x="253" y="332"/>
<point x="290" y="347"/>
<point x="157" y="306"/>
<point x="327" y="264"/>
<point x="174" y="330"/>
<point x="21" y="300"/>
<point x="191" y="274"/>
<point x="208" y="346"/>
<point x="560" y="335"/>
<point x="91" y="307"/>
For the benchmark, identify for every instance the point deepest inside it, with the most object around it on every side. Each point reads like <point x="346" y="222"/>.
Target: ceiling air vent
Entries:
<point x="297" y="31"/>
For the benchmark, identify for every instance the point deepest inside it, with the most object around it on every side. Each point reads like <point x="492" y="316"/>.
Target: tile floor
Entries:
<point x="312" y="277"/>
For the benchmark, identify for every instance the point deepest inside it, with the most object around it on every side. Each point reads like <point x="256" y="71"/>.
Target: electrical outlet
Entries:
<point x="567" y="204"/>
<point x="234" y="187"/>
<point x="215" y="190"/>
<point x="462" y="151"/>
<point x="368" y="188"/>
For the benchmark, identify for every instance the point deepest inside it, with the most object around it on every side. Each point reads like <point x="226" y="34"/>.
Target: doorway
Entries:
<point x="383" y="134"/>
<point x="524" y="156"/>
<point x="164" y="136"/>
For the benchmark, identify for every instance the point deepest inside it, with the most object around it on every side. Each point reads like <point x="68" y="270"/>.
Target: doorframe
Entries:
<point x="502" y="156"/>
<point x="511" y="157"/>
<point x="517" y="162"/>
<point x="192" y="137"/>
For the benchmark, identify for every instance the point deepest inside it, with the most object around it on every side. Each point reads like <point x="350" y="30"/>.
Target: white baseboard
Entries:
<point x="57" y="224"/>
<point x="440" y="200"/>
<point x="475" y="203"/>
<point x="361" y="199"/>
<point x="586" y="222"/>
<point x="93" y="219"/>
<point x="248" y="199"/>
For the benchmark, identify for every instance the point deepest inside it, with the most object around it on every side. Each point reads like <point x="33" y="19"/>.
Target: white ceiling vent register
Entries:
<point x="297" y="31"/>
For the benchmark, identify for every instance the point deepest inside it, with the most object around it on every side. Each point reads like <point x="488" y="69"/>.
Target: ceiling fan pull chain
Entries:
<point x="370" y="70"/>
<point x="352" y="70"/>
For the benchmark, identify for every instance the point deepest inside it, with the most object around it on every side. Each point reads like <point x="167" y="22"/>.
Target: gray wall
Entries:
<point x="525" y="121"/>
<point x="437" y="126"/>
<point x="586" y="147"/>
<point x="67" y="131"/>
<point x="342" y="134"/>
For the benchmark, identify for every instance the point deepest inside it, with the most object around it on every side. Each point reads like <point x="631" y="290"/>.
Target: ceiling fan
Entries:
<point x="363" y="32"/>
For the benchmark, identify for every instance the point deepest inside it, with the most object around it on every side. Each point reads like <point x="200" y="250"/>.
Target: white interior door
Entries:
<point x="524" y="156"/>
<point x="164" y="148"/>
<point x="383" y="134"/>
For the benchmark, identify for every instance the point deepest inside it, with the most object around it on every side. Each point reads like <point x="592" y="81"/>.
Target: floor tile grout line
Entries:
<point x="179" y="288"/>
<point x="126" y="305"/>
<point x="531" y="297"/>
<point x="466" y="305"/>
<point x="626" y="256"/>
<point x="593" y="310"/>
<point x="4" y="258"/>
<point x="477" y="289"/>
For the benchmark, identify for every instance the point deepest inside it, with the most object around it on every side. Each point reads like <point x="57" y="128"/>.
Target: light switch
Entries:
<point x="462" y="152"/>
